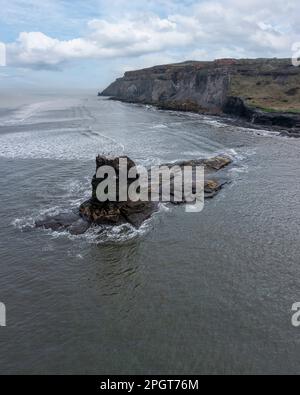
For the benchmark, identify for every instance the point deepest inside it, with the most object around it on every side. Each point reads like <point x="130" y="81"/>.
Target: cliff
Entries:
<point x="262" y="91"/>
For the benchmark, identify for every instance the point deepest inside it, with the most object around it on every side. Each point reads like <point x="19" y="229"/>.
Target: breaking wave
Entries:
<point x="95" y="234"/>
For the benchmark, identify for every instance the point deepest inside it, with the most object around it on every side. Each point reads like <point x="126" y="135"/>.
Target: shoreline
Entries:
<point x="230" y="119"/>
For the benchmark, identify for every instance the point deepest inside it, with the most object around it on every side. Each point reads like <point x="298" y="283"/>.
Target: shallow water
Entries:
<point x="204" y="293"/>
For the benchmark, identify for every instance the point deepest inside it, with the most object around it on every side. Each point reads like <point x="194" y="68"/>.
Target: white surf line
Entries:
<point x="110" y="139"/>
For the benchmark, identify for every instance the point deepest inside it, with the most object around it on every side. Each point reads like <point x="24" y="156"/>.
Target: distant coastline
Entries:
<point x="264" y="92"/>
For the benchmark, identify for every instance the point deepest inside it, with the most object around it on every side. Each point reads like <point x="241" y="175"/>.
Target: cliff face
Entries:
<point x="262" y="90"/>
<point x="193" y="85"/>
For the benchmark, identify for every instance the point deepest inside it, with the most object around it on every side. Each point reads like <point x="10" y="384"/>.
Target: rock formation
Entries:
<point x="262" y="91"/>
<point x="96" y="213"/>
<point x="115" y="213"/>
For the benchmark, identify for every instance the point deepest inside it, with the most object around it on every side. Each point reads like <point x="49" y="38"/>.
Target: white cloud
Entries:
<point x="37" y="49"/>
<point x="209" y="29"/>
<point x="105" y="40"/>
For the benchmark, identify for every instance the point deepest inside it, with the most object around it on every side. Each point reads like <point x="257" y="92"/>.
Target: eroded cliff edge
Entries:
<point x="262" y="91"/>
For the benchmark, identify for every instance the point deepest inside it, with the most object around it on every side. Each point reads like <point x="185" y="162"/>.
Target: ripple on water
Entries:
<point x="95" y="234"/>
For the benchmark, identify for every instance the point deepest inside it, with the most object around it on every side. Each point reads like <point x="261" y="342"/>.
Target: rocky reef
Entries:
<point x="261" y="91"/>
<point x="118" y="212"/>
<point x="99" y="213"/>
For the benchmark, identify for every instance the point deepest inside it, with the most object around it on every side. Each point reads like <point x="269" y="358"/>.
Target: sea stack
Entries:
<point x="101" y="212"/>
<point x="115" y="212"/>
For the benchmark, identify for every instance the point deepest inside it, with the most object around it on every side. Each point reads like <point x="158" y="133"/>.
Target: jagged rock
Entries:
<point x="95" y="212"/>
<point x="211" y="164"/>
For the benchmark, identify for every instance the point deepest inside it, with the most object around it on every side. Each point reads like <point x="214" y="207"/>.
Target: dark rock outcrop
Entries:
<point x="119" y="212"/>
<point x="236" y="106"/>
<point x="95" y="212"/>
<point x="262" y="91"/>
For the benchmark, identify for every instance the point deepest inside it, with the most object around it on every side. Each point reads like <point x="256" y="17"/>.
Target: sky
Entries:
<point x="88" y="43"/>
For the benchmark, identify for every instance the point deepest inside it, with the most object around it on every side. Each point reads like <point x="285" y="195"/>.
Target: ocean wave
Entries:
<point x="159" y="126"/>
<point x="95" y="234"/>
<point x="24" y="223"/>
<point x="105" y="234"/>
<point x="216" y="122"/>
<point x="57" y="145"/>
<point x="233" y="154"/>
<point x="25" y="113"/>
<point x="114" y="234"/>
<point x="28" y="221"/>
<point x="22" y="114"/>
<point x="240" y="169"/>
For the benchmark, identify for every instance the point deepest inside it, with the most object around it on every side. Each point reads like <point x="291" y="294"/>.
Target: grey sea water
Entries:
<point x="187" y="293"/>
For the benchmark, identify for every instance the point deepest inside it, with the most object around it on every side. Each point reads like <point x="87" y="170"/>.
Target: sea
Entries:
<point x="187" y="293"/>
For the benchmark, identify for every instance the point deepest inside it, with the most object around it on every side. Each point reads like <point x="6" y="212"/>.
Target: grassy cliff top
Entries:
<point x="270" y="84"/>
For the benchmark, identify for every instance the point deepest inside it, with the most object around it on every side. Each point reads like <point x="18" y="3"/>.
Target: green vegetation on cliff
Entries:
<point x="272" y="85"/>
<point x="262" y="91"/>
